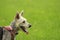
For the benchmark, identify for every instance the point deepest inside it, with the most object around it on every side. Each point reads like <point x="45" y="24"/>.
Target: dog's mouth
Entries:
<point x="24" y="29"/>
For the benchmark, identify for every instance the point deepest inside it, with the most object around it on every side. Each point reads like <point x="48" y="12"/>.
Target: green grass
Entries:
<point x="44" y="15"/>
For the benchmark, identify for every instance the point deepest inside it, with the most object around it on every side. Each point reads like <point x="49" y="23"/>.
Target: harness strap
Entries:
<point x="12" y="32"/>
<point x="8" y="28"/>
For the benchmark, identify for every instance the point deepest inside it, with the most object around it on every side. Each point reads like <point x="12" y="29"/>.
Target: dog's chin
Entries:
<point x="24" y="29"/>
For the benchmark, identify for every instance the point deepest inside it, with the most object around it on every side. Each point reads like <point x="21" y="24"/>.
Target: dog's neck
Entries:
<point x="13" y="25"/>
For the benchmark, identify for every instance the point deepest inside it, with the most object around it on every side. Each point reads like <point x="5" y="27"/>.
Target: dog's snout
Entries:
<point x="29" y="25"/>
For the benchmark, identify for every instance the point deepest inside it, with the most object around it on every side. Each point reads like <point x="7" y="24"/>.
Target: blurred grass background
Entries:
<point x="44" y="15"/>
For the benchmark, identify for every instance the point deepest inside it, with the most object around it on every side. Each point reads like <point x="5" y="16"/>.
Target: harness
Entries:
<point x="12" y="31"/>
<point x="8" y="28"/>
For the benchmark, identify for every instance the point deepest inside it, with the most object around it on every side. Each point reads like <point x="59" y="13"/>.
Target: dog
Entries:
<point x="19" y="23"/>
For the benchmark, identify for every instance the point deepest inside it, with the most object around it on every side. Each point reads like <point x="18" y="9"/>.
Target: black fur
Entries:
<point x="1" y="33"/>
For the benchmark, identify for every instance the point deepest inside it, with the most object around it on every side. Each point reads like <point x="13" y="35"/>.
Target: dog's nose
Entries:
<point x="29" y="25"/>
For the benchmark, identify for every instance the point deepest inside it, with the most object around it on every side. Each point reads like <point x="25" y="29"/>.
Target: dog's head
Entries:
<point x="22" y="22"/>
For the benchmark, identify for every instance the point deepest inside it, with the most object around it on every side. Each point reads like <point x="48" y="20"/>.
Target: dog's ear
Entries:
<point x="21" y="13"/>
<point x="17" y="15"/>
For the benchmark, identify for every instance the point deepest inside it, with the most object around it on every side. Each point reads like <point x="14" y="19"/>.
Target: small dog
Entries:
<point x="9" y="32"/>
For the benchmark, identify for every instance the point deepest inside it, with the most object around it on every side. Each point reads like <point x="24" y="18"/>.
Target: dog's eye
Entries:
<point x="23" y="21"/>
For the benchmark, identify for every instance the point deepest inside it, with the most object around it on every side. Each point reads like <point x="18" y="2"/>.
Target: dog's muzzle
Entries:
<point x="24" y="29"/>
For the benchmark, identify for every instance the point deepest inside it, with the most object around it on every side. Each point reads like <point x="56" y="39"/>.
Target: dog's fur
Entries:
<point x="18" y="23"/>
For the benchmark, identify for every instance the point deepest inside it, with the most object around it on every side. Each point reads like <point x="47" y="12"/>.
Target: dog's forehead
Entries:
<point x="23" y="19"/>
